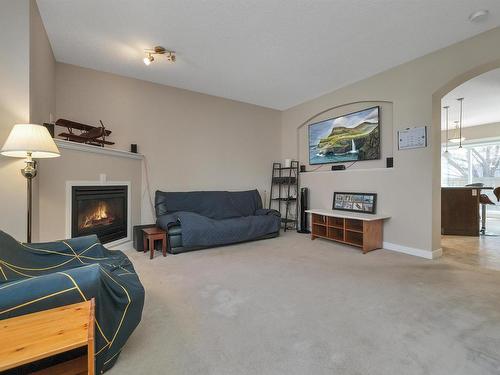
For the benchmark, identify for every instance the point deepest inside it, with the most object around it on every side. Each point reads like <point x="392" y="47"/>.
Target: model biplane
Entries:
<point x="82" y="133"/>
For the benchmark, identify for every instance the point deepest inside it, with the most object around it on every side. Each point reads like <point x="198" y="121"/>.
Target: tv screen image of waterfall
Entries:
<point x="351" y="137"/>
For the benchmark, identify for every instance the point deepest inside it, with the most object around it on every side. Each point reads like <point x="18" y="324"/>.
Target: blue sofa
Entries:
<point x="201" y="219"/>
<point x="35" y="277"/>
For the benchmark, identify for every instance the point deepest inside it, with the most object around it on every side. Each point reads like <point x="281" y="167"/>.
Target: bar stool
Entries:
<point x="484" y="200"/>
<point x="496" y="191"/>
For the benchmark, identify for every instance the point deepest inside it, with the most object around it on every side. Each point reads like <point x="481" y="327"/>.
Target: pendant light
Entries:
<point x="461" y="100"/>
<point x="446" y="108"/>
<point x="458" y="126"/>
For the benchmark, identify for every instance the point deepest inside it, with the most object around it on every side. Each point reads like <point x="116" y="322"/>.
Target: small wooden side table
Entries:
<point x="31" y="337"/>
<point x="150" y="236"/>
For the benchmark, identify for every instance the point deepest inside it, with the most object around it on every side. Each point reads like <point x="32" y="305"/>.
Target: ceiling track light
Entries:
<point x="158" y="50"/>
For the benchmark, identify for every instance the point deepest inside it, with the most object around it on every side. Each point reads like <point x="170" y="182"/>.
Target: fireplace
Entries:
<point x="100" y="210"/>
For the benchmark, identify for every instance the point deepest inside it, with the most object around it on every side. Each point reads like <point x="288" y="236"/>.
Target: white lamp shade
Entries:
<point x="30" y="138"/>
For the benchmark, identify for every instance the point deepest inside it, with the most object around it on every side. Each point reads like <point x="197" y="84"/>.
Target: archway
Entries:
<point x="436" y="136"/>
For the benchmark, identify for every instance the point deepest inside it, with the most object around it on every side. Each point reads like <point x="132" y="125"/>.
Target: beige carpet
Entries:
<point x="295" y="306"/>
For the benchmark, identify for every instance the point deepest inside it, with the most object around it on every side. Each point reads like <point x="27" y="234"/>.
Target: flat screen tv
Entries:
<point x="352" y="137"/>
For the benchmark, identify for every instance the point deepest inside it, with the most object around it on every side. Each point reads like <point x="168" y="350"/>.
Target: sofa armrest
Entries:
<point x="166" y="221"/>
<point x="77" y="243"/>
<point x="265" y="211"/>
<point x="69" y="246"/>
<point x="50" y="290"/>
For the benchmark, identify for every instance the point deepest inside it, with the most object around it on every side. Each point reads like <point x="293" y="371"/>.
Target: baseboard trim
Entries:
<point x="119" y="244"/>
<point x="413" y="251"/>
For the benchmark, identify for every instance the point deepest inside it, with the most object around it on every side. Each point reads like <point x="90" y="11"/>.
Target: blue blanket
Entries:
<point x="198" y="230"/>
<point x="35" y="277"/>
<point x="212" y="218"/>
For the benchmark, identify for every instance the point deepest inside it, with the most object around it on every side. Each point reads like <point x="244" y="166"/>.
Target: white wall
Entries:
<point x="191" y="141"/>
<point x="42" y="91"/>
<point x="410" y="191"/>
<point x="42" y="70"/>
<point x="14" y="108"/>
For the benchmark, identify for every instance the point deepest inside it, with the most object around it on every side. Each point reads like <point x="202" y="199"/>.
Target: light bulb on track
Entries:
<point x="148" y="59"/>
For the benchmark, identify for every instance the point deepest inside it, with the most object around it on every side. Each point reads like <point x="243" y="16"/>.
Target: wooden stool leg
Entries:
<point x="164" y="246"/>
<point x="151" y="248"/>
<point x="145" y="243"/>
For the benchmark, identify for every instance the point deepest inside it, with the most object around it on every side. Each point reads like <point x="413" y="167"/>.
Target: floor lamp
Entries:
<point x="31" y="142"/>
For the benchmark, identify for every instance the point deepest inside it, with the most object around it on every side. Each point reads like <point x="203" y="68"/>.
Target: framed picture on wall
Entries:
<point x="355" y="202"/>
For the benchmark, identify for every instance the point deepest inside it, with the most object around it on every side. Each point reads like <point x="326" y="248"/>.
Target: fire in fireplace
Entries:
<point x="100" y="210"/>
<point x="98" y="213"/>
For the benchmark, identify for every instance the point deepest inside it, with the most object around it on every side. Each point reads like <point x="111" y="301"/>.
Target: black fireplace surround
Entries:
<point x="100" y="210"/>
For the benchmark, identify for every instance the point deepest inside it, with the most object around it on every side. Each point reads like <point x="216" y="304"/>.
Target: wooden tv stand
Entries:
<point x="351" y="228"/>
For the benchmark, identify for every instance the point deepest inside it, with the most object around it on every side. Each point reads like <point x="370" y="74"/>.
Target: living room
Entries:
<point x="190" y="105"/>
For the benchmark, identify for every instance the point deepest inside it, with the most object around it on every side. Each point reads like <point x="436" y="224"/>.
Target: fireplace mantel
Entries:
<point x="61" y="143"/>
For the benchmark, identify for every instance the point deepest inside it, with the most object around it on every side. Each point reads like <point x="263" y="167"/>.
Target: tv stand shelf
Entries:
<point x="351" y="228"/>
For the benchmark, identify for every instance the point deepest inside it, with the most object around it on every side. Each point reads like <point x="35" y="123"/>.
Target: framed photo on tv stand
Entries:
<point x="355" y="202"/>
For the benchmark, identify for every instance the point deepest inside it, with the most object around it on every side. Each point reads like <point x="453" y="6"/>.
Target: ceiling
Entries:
<point x="481" y="103"/>
<point x="273" y="53"/>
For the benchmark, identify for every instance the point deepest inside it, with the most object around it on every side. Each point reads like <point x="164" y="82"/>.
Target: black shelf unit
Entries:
<point x="284" y="193"/>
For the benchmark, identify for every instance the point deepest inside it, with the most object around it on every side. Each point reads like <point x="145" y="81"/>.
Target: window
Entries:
<point x="475" y="162"/>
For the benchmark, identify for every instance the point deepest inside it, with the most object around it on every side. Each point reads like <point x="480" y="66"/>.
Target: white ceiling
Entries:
<point x="481" y="103"/>
<point x="274" y="53"/>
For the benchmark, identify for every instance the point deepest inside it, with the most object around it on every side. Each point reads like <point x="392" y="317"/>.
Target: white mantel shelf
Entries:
<point x="61" y="143"/>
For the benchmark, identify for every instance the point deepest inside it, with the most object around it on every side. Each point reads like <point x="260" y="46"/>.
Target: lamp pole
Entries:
<point x="29" y="141"/>
<point x="29" y="172"/>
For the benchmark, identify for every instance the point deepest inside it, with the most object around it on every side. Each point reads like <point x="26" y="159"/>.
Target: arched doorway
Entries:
<point x="474" y="158"/>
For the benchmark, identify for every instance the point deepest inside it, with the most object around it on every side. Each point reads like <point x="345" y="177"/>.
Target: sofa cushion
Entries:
<point x="213" y="204"/>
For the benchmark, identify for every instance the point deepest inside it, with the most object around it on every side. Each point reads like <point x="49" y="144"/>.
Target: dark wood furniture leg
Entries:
<point x="151" y="248"/>
<point x="164" y="245"/>
<point x="373" y="235"/>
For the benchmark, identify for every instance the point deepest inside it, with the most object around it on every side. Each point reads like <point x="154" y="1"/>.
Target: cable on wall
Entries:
<point x="148" y="186"/>
<point x="350" y="165"/>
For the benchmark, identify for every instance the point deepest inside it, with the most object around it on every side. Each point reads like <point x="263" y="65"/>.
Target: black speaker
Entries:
<point x="340" y="167"/>
<point x="389" y="162"/>
<point x="50" y="128"/>
<point x="302" y="168"/>
<point x="133" y="148"/>
<point x="304" y="205"/>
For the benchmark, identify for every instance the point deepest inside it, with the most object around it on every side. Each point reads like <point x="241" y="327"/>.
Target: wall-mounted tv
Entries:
<point x="352" y="137"/>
